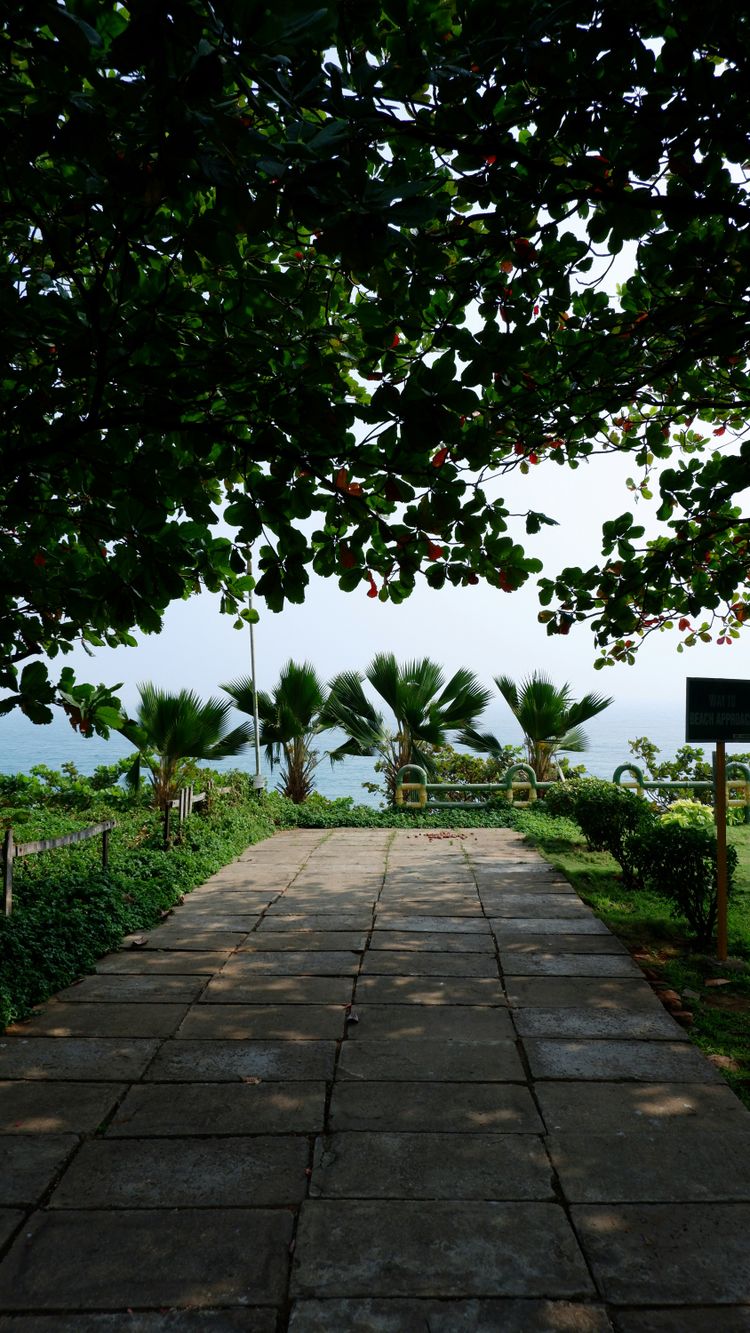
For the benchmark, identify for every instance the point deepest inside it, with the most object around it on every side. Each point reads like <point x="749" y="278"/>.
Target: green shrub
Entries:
<point x="560" y="799"/>
<point x="609" y="816"/>
<point x="689" y="814"/>
<point x="680" y="864"/>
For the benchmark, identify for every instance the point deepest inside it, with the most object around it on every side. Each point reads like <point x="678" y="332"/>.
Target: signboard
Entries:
<point x="717" y="710"/>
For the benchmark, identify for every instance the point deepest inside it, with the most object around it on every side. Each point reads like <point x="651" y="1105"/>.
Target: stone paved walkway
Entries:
<point x="366" y="1082"/>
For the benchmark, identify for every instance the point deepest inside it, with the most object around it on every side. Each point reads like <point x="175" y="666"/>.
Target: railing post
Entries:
<point x="105" y="848"/>
<point x="166" y="824"/>
<point x="8" y="853"/>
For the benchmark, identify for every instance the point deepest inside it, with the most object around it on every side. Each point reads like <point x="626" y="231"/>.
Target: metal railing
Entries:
<point x="419" y="794"/>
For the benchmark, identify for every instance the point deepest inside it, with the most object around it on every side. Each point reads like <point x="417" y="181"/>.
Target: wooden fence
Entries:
<point x="184" y="803"/>
<point x="12" y="850"/>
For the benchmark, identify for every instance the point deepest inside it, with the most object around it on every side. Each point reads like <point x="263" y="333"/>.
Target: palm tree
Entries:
<point x="171" y="728"/>
<point x="549" y="718"/>
<point x="289" y="722"/>
<point x="426" y="712"/>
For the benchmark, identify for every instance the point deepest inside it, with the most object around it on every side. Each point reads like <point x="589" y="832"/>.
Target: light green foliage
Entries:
<point x="689" y="814"/>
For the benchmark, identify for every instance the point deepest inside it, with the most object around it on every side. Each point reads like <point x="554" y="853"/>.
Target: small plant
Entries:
<point x="689" y="814"/>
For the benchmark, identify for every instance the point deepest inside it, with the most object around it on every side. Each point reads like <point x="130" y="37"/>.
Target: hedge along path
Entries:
<point x="11" y="849"/>
<point x="372" y="1080"/>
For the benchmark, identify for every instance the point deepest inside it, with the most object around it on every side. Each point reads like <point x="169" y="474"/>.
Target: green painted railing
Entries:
<point x="416" y="793"/>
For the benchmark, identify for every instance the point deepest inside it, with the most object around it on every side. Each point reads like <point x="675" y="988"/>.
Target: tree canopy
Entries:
<point x="339" y="268"/>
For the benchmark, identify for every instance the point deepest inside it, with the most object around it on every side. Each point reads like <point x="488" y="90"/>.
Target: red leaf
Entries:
<point x="434" y="552"/>
<point x="372" y="591"/>
<point x="440" y="457"/>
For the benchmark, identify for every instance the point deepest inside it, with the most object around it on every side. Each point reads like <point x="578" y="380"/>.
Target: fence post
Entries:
<point x="8" y="853"/>
<point x="105" y="849"/>
<point x="166" y="824"/>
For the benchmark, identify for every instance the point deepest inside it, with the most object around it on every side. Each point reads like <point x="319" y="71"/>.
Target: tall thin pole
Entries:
<point x="258" y="783"/>
<point x="720" y="811"/>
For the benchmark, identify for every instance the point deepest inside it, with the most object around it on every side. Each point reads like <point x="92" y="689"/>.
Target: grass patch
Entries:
<point x="661" y="942"/>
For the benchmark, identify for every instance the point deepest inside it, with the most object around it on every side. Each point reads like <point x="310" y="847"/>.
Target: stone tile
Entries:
<point x="227" y="917"/>
<point x="328" y="941"/>
<point x="654" y="1167"/>
<point x="97" y="1020"/>
<point x="430" y="990"/>
<point x="646" y="1061"/>
<point x="393" y="920"/>
<point x="93" y="1058"/>
<point x="387" y="963"/>
<point x="501" y="905"/>
<point x="371" y="1248"/>
<point x="55" y="1108"/>
<point x="148" y="962"/>
<point x="469" y="1108"/>
<point x="186" y="1321"/>
<point x="313" y="921"/>
<point x="728" y="1319"/>
<point x="508" y="928"/>
<point x="592" y="1022"/>
<point x="134" y="990"/>
<point x="530" y="882"/>
<point x="299" y="904"/>
<point x="247" y="1022"/>
<point x="580" y="992"/>
<point x="217" y="1061"/>
<point x="567" y="943"/>
<point x="194" y="939"/>
<point x="433" y="941"/>
<point x="309" y="963"/>
<point x="568" y="965"/>
<point x="415" y="905"/>
<point x="669" y="1108"/>
<point x="409" y="1022"/>
<point x="29" y="1163"/>
<point x="431" y="1166"/>
<point x="433" y="1060"/>
<point x="157" y="1257"/>
<point x="278" y="990"/>
<point x="656" y="1254"/>
<point x="219" y="1109"/>
<point x="10" y="1218"/>
<point x="366" y="1315"/>
<point x="179" y="1173"/>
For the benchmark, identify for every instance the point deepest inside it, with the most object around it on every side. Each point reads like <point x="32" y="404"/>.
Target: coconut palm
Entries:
<point x="288" y="723"/>
<point x="427" y="712"/>
<point x="549" y="717"/>
<point x="172" y="728"/>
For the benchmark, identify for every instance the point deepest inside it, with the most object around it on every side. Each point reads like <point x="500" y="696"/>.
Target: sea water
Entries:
<point x="22" y="745"/>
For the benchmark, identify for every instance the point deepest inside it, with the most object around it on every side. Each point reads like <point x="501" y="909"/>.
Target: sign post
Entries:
<point x="718" y="711"/>
<point x="720" y="812"/>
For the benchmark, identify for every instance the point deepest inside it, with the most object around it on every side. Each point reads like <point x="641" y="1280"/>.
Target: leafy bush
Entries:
<point x="680" y="864"/>
<point x="609" y="817"/>
<point x="452" y="766"/>
<point x="689" y="814"/>
<point x="560" y="799"/>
